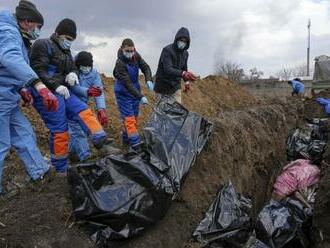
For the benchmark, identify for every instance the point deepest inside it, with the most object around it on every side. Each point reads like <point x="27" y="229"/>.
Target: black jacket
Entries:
<point x="172" y="63"/>
<point x="51" y="62"/>
<point x="120" y="71"/>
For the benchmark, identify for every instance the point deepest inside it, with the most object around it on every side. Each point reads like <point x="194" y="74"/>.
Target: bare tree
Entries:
<point x="300" y="71"/>
<point x="255" y="74"/>
<point x="285" y="73"/>
<point x="296" y="71"/>
<point x="229" y="70"/>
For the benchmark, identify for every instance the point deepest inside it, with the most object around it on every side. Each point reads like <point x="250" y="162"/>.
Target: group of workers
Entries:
<point x="46" y="75"/>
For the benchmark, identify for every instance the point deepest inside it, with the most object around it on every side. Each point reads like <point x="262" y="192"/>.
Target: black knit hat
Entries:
<point x="67" y="27"/>
<point x="28" y="11"/>
<point x="127" y="42"/>
<point x="84" y="59"/>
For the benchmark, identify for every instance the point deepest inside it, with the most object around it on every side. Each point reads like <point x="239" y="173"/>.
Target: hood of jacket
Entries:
<point x="8" y="20"/>
<point x="182" y="32"/>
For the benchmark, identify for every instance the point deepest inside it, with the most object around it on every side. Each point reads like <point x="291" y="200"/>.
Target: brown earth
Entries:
<point x="322" y="206"/>
<point x="247" y="147"/>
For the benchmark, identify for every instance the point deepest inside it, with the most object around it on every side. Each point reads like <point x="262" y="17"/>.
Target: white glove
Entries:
<point x="144" y="101"/>
<point x="72" y="79"/>
<point x="63" y="91"/>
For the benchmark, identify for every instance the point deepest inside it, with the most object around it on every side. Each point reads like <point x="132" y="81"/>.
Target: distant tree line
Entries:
<point x="234" y="72"/>
<point x="291" y="72"/>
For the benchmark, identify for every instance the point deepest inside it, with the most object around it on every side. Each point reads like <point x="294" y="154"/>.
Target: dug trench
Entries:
<point x="247" y="146"/>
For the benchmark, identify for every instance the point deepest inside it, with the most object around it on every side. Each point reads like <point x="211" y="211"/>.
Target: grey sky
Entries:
<point x="267" y="34"/>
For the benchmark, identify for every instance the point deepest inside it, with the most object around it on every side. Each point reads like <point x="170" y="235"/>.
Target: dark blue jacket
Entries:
<point x="126" y="73"/>
<point x="51" y="62"/>
<point x="172" y="63"/>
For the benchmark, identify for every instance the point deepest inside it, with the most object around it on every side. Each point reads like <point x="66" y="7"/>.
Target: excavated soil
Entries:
<point x="322" y="205"/>
<point x="247" y="147"/>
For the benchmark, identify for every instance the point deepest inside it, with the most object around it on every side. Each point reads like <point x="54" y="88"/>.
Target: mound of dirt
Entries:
<point x="247" y="146"/>
<point x="213" y="95"/>
<point x="314" y="109"/>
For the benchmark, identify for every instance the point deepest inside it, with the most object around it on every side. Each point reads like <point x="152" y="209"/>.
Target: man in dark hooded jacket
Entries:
<point x="172" y="67"/>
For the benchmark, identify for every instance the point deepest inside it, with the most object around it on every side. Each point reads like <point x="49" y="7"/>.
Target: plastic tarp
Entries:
<point x="322" y="68"/>
<point x="227" y="223"/>
<point x="308" y="142"/>
<point x="284" y="223"/>
<point x="253" y="242"/>
<point x="119" y="196"/>
<point x="298" y="175"/>
<point x="174" y="137"/>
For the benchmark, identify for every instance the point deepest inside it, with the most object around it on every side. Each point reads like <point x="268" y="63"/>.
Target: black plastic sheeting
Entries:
<point x="119" y="196"/>
<point x="174" y="137"/>
<point x="227" y="223"/>
<point x="253" y="242"/>
<point x="308" y="142"/>
<point x="284" y="223"/>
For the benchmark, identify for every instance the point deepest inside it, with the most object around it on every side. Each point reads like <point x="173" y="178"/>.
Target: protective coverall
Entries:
<point x="78" y="138"/>
<point x="128" y="93"/>
<point x="15" y="73"/>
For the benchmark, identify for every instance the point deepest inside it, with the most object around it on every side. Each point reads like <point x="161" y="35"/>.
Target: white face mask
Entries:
<point x="85" y="69"/>
<point x="66" y="44"/>
<point x="181" y="44"/>
<point x="128" y="55"/>
<point x="34" y="34"/>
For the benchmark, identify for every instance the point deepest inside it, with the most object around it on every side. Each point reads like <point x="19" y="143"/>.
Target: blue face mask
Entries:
<point x="181" y="44"/>
<point x="34" y="34"/>
<point x="66" y="44"/>
<point x="85" y="69"/>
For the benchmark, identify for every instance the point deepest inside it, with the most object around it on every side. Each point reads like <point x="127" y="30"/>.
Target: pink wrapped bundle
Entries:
<point x="297" y="175"/>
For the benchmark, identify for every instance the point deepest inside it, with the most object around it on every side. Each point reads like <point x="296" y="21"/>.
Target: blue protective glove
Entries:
<point x="144" y="100"/>
<point x="150" y="85"/>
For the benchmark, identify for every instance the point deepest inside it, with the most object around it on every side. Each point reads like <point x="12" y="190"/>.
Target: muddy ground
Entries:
<point x="247" y="147"/>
